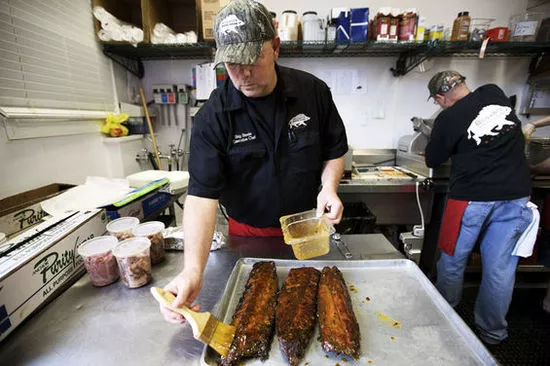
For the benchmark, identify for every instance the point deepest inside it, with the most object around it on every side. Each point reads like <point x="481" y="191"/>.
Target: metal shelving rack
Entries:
<point x="408" y="54"/>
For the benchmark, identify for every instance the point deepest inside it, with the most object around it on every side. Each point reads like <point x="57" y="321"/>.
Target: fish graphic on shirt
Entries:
<point x="489" y="122"/>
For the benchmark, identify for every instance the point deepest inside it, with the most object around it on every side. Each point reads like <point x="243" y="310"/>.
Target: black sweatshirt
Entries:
<point x="482" y="135"/>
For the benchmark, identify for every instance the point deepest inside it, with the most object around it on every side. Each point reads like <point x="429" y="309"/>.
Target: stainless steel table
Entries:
<point x="114" y="325"/>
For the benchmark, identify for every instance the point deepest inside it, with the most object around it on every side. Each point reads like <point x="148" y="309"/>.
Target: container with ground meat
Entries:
<point x="152" y="230"/>
<point x="122" y="228"/>
<point x="134" y="261"/>
<point x="99" y="259"/>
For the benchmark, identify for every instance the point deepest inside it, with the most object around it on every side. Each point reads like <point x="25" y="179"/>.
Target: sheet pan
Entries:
<point x="381" y="291"/>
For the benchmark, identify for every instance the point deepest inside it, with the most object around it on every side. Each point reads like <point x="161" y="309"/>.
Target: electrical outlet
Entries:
<point x="418" y="231"/>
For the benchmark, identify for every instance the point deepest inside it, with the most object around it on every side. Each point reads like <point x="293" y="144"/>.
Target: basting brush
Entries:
<point x="206" y="328"/>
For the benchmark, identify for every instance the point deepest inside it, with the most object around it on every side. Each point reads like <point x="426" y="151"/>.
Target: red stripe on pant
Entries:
<point x="239" y="229"/>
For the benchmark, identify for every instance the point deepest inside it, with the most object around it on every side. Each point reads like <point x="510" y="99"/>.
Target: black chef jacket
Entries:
<point x="258" y="176"/>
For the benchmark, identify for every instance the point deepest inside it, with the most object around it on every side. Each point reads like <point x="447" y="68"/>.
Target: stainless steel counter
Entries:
<point x="114" y="325"/>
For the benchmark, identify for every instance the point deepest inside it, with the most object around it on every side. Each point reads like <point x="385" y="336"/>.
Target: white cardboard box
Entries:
<point x="42" y="268"/>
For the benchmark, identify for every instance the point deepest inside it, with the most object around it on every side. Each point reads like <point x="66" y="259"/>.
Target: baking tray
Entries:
<point x="431" y="332"/>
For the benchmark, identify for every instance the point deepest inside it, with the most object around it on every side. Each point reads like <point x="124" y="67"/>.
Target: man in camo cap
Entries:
<point x="488" y="195"/>
<point x="240" y="31"/>
<point x="269" y="142"/>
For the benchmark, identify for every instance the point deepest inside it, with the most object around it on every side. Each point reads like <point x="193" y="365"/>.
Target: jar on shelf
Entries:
<point x="479" y="27"/>
<point x="408" y="22"/>
<point x="394" y="25"/>
<point x="288" y="26"/>
<point x="381" y="25"/>
<point x="461" y="27"/>
<point x="524" y="27"/>
<point x="312" y="27"/>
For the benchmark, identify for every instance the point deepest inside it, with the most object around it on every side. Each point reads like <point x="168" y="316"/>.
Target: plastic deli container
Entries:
<point x="308" y="235"/>
<point x="134" y="261"/>
<point x="122" y="227"/>
<point x="524" y="27"/>
<point x="152" y="230"/>
<point x="479" y="27"/>
<point x="99" y="259"/>
<point x="288" y="26"/>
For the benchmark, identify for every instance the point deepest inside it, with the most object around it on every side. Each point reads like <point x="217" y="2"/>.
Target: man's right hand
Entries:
<point x="185" y="287"/>
<point x="528" y="130"/>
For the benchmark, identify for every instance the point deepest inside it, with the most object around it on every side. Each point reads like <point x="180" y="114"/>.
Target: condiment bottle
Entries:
<point x="382" y="22"/>
<point x="461" y="27"/>
<point x="420" y="29"/>
<point x="288" y="26"/>
<point x="394" y="25"/>
<point x="407" y="25"/>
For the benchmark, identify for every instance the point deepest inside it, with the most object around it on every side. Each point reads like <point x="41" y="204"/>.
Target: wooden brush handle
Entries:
<point x="197" y="320"/>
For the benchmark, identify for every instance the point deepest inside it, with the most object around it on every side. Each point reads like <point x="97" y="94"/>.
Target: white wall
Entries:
<point x="30" y="163"/>
<point x="378" y="118"/>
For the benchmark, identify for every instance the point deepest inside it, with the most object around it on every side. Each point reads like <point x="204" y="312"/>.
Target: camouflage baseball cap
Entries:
<point x="444" y="81"/>
<point x="240" y="30"/>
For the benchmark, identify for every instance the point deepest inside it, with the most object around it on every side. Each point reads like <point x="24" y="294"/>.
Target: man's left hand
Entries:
<point x="329" y="204"/>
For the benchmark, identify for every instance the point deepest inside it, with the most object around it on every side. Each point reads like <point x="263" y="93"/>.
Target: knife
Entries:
<point x="337" y="240"/>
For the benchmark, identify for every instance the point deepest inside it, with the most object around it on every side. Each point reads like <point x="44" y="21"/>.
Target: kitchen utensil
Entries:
<point x="144" y="102"/>
<point x="206" y="328"/>
<point x="337" y="240"/>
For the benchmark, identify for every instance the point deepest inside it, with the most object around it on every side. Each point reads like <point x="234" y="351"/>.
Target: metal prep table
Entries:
<point x="114" y="325"/>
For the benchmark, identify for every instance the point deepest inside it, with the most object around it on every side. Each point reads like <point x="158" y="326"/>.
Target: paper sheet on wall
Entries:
<point x="346" y="82"/>
<point x="206" y="80"/>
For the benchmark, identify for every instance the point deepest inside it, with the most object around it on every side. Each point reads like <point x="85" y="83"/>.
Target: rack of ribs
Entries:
<point x="338" y="326"/>
<point x="254" y="318"/>
<point x="296" y="312"/>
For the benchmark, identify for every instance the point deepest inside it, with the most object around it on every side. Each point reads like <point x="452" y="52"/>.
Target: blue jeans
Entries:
<point x="497" y="225"/>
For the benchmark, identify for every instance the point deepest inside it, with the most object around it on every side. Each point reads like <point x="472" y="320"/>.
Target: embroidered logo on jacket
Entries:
<point x="243" y="137"/>
<point x="298" y="121"/>
<point x="490" y="121"/>
<point x="230" y="24"/>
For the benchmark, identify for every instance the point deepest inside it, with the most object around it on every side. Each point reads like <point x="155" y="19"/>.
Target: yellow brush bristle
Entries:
<point x="218" y="335"/>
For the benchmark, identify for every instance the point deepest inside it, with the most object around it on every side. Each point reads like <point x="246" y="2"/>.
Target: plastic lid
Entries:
<point x="122" y="224"/>
<point x="310" y="13"/>
<point x="290" y="11"/>
<point x="273" y="14"/>
<point x="130" y="247"/>
<point x="148" y="228"/>
<point x="97" y="245"/>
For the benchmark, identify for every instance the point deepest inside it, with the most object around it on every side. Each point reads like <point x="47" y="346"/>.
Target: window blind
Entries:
<point x="49" y="57"/>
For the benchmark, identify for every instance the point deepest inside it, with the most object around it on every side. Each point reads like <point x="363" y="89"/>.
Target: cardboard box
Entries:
<point x="23" y="210"/>
<point x="181" y="16"/>
<point x="209" y="9"/>
<point x="35" y="273"/>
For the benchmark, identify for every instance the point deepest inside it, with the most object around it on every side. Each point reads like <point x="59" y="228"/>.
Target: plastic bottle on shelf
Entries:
<point x="408" y="21"/>
<point x="382" y="20"/>
<point x="394" y="25"/>
<point x="312" y="27"/>
<point x="288" y="26"/>
<point x="420" y="29"/>
<point x="331" y="29"/>
<point x="461" y="27"/>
